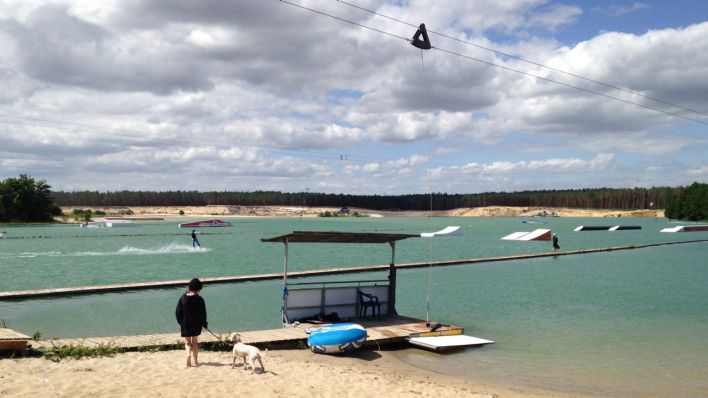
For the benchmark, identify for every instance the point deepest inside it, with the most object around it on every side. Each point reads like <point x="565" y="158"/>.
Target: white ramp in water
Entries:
<point x="440" y="343"/>
<point x="514" y="236"/>
<point x="539" y="234"/>
<point x="686" y="228"/>
<point x="452" y="230"/>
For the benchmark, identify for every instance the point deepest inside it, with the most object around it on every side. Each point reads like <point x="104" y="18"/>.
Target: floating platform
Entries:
<point x="686" y="228"/>
<point x="387" y="330"/>
<point x="538" y="234"/>
<point x="584" y="228"/>
<point x="452" y="230"/>
<point x="445" y="343"/>
<point x="206" y="223"/>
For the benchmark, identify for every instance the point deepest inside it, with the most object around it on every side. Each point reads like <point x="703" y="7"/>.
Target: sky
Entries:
<point x="330" y="96"/>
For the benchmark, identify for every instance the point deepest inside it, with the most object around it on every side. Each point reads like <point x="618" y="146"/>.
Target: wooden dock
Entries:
<point x="383" y="331"/>
<point x="11" y="340"/>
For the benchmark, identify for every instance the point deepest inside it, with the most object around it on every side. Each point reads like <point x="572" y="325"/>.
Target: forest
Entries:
<point x="599" y="198"/>
<point x="691" y="205"/>
<point x="25" y="199"/>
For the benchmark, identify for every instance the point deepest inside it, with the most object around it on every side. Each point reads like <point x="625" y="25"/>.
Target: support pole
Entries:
<point x="391" y="310"/>
<point x="284" y="308"/>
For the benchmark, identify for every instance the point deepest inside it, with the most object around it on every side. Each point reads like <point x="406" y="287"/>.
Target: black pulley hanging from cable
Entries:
<point x="422" y="44"/>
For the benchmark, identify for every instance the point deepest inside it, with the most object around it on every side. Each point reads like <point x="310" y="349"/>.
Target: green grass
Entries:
<point x="80" y="351"/>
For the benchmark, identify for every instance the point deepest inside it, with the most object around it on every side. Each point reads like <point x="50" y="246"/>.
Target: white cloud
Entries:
<point x="700" y="172"/>
<point x="156" y="93"/>
<point x="619" y="10"/>
<point x="371" y="167"/>
<point x="602" y="161"/>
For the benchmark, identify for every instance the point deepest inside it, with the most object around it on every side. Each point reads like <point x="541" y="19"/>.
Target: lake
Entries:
<point x="628" y="323"/>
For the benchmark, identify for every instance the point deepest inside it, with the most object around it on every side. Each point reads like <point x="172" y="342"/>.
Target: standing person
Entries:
<point x="555" y="243"/>
<point x="192" y="316"/>
<point x="194" y="238"/>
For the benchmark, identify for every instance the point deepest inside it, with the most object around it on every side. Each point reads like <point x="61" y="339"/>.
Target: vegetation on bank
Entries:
<point x="598" y="198"/>
<point x="340" y="213"/>
<point x="692" y="204"/>
<point x="57" y="353"/>
<point x="24" y="199"/>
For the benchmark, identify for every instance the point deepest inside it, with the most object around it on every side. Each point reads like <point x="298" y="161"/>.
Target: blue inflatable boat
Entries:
<point x="336" y="338"/>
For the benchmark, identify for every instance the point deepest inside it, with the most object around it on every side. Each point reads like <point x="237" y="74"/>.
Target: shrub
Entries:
<point x="79" y="351"/>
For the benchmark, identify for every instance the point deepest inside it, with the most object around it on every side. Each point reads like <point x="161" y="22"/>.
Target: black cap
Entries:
<point x="195" y="285"/>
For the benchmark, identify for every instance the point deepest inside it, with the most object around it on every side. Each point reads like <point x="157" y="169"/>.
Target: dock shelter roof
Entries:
<point x="338" y="237"/>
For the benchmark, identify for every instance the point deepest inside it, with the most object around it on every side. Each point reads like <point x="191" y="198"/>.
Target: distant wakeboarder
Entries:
<point x="195" y="241"/>
<point x="556" y="246"/>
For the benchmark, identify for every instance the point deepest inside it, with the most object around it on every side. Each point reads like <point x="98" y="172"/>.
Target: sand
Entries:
<point x="289" y="373"/>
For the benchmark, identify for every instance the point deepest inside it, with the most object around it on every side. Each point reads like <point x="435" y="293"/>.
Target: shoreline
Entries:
<point x="288" y="372"/>
<point x="172" y="213"/>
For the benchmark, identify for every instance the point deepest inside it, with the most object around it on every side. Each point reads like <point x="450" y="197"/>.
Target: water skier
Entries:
<point x="195" y="241"/>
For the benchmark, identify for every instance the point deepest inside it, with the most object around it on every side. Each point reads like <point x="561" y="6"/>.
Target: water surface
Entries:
<point x="622" y="323"/>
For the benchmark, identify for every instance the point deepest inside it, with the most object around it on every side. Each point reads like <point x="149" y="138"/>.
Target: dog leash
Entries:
<point x="217" y="337"/>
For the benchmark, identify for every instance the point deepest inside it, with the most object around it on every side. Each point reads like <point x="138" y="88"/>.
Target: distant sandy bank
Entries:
<point x="173" y="212"/>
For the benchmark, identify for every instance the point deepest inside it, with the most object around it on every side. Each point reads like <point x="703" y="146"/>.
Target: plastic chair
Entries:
<point x="366" y="301"/>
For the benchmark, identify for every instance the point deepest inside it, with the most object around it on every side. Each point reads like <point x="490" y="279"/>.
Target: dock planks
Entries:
<point x="385" y="330"/>
<point x="11" y="340"/>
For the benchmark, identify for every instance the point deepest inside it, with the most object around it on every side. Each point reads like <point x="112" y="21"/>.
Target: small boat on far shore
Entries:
<point x="108" y="224"/>
<point x="134" y="218"/>
<point x="206" y="223"/>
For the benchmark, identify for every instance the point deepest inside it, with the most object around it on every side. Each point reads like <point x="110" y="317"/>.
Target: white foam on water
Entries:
<point x="31" y="254"/>
<point x="167" y="249"/>
<point x="172" y="248"/>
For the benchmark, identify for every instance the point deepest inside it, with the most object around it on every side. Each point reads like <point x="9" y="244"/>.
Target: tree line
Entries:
<point x="24" y="199"/>
<point x="591" y="198"/>
<point x="691" y="205"/>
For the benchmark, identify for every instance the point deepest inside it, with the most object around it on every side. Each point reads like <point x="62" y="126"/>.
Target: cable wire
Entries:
<point x="501" y="66"/>
<point x="572" y="86"/>
<point x="525" y="60"/>
<point x="343" y="20"/>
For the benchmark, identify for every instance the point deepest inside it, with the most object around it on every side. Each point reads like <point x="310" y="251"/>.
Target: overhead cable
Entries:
<point x="500" y="66"/>
<point x="525" y="60"/>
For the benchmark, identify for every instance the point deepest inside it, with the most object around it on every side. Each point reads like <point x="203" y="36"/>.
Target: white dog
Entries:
<point x="249" y="353"/>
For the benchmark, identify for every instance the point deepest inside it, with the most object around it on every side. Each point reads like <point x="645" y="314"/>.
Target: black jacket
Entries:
<point x="191" y="315"/>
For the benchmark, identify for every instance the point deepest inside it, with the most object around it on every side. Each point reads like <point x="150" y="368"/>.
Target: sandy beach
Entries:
<point x="289" y="373"/>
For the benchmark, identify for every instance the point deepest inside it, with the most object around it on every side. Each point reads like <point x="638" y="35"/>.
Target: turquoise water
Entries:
<point x="625" y="323"/>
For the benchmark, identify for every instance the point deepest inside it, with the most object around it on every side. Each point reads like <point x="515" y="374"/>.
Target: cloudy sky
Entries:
<point x="267" y="95"/>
